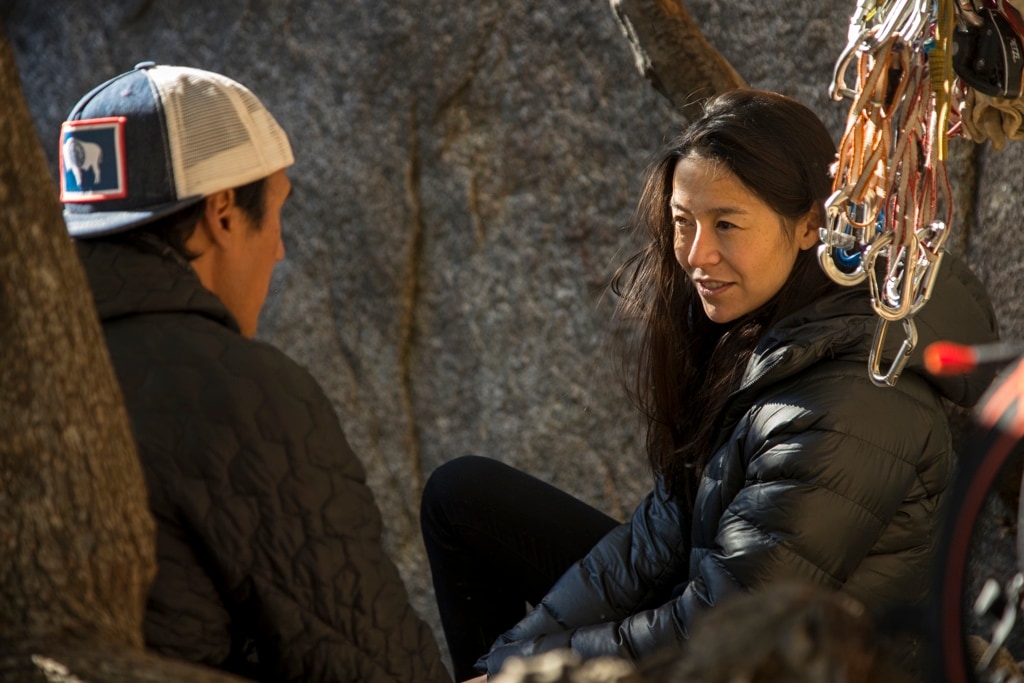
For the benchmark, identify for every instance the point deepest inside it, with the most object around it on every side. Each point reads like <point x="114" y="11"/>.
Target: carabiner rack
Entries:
<point x="891" y="206"/>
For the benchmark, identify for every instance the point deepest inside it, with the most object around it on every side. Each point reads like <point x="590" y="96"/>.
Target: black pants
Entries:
<point x="497" y="539"/>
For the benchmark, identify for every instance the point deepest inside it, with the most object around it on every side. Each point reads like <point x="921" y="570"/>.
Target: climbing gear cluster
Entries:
<point x="923" y="70"/>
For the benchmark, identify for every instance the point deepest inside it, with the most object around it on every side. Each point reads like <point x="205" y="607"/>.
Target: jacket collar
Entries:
<point x="843" y="325"/>
<point x="148" y="277"/>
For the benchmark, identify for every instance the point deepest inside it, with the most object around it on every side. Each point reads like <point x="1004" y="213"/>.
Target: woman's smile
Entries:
<point x="710" y="288"/>
<point x="737" y="250"/>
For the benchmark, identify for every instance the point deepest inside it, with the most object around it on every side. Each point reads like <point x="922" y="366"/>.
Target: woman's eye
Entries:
<point x="680" y="222"/>
<point x="725" y="225"/>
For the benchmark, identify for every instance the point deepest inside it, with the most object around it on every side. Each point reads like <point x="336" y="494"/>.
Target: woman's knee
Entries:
<point x="455" y="482"/>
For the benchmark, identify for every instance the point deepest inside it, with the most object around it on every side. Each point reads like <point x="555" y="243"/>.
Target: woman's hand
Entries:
<point x="478" y="679"/>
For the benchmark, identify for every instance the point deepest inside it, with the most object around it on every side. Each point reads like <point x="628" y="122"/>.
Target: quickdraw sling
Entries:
<point x="890" y="211"/>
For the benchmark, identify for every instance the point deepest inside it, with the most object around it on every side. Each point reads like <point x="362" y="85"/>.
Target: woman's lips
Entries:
<point x="711" y="288"/>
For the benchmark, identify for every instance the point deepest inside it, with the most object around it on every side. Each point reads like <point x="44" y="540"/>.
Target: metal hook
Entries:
<point x="921" y="265"/>
<point x="827" y="260"/>
<point x="856" y="40"/>
<point x="908" y="21"/>
<point x="931" y="238"/>
<point x="1001" y="631"/>
<point x="838" y="236"/>
<point x="887" y="304"/>
<point x="903" y="355"/>
<point x="837" y="88"/>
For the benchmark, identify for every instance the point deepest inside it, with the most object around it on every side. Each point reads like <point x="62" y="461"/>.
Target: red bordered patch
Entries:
<point x="92" y="160"/>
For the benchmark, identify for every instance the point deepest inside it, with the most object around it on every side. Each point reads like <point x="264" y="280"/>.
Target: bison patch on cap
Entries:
<point x="92" y="160"/>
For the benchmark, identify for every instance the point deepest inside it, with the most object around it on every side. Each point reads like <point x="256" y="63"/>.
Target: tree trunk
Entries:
<point x="672" y="53"/>
<point x="77" y="536"/>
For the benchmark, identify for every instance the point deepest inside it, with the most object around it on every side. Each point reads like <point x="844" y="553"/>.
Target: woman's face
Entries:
<point x="729" y="241"/>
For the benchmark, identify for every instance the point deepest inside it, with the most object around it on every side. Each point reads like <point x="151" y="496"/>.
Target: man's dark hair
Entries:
<point x="176" y="229"/>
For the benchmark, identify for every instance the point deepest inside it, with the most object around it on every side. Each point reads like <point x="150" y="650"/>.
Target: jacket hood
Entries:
<point x="150" y="278"/>
<point x="843" y="326"/>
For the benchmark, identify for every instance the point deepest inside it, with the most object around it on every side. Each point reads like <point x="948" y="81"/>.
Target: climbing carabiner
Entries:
<point x="839" y="252"/>
<point x="896" y="299"/>
<point x="889" y="377"/>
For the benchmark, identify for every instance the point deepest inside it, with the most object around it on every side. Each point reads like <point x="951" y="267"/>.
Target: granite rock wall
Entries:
<point x="464" y="174"/>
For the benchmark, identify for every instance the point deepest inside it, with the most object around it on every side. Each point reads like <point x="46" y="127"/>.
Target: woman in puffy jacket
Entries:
<point x="775" y="456"/>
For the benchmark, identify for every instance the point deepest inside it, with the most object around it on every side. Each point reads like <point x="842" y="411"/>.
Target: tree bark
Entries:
<point x="76" y="533"/>
<point x="672" y="54"/>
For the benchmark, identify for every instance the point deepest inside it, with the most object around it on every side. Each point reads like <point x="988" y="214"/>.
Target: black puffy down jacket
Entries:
<point x="269" y="541"/>
<point x="819" y="475"/>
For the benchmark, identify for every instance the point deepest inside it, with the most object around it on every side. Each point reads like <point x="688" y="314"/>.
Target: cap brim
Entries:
<point x="99" y="223"/>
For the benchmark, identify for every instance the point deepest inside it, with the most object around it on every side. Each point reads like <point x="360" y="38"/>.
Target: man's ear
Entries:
<point x="219" y="219"/>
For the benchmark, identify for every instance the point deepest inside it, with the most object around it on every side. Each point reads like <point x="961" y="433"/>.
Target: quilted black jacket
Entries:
<point x="269" y="540"/>
<point x="819" y="475"/>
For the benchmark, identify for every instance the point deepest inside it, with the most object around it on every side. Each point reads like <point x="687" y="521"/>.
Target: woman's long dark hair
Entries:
<point x="687" y="365"/>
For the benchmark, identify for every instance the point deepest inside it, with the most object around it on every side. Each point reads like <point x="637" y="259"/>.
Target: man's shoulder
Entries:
<point x="265" y="361"/>
<point x="203" y="376"/>
<point x="197" y="351"/>
<point x="278" y="376"/>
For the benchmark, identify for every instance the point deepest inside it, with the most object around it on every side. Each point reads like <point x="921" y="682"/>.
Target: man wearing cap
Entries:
<point x="270" y="561"/>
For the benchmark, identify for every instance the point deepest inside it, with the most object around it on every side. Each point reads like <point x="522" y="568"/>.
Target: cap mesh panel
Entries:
<point x="220" y="134"/>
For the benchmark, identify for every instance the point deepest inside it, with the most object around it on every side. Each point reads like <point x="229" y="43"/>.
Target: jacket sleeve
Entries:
<point x="633" y="567"/>
<point x="300" y="546"/>
<point x="800" y="481"/>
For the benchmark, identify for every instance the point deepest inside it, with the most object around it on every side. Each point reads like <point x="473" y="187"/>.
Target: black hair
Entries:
<point x="175" y="230"/>
<point x="686" y="365"/>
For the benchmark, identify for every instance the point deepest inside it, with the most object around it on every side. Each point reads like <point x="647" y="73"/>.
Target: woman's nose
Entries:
<point x="704" y="249"/>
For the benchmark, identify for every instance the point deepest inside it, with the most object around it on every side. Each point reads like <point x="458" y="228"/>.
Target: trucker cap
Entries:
<point x="159" y="138"/>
